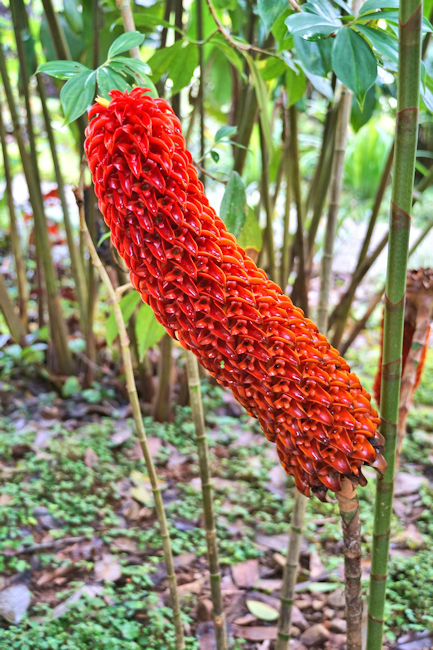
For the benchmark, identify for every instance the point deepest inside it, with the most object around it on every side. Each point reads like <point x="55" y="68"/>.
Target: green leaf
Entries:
<point x="295" y="85"/>
<point x="320" y="84"/>
<point x="127" y="306"/>
<point x="215" y="156"/>
<point x="233" y="205"/>
<point x="102" y="238"/>
<point x="389" y="15"/>
<point x="269" y="11"/>
<point x="147" y="329"/>
<point x="62" y="69"/>
<point x="73" y="16"/>
<point x="383" y="42"/>
<point x="321" y="587"/>
<point x="262" y="610"/>
<point x="109" y="79"/>
<point x="251" y="234"/>
<point x="137" y="66"/>
<point x="224" y="133"/>
<point x="372" y="5"/>
<point x="125" y="42"/>
<point x="311" y="25"/>
<point x="178" y="61"/>
<point x="272" y="68"/>
<point x="232" y="55"/>
<point x="77" y="94"/>
<point x="358" y="116"/>
<point x="353" y="62"/>
<point x="315" y="56"/>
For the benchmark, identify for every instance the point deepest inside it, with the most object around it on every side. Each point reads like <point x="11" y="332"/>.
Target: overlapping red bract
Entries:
<point x="213" y="299"/>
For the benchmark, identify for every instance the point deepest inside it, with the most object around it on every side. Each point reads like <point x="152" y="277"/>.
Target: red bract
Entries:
<point x="213" y="299"/>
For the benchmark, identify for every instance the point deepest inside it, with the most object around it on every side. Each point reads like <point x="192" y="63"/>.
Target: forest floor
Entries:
<point x="79" y="537"/>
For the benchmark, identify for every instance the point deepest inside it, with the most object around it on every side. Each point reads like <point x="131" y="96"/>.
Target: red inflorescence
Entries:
<point x="212" y="298"/>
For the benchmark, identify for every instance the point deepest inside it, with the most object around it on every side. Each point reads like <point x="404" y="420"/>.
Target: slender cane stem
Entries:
<point x="136" y="413"/>
<point x="402" y="189"/>
<point x="7" y="308"/>
<point x="206" y="486"/>
<point x="291" y="571"/>
<point x="269" y="231"/>
<point x="20" y="267"/>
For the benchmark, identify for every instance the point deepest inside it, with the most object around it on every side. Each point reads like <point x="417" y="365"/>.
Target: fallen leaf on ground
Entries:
<point x="255" y="633"/>
<point x="108" y="568"/>
<point x="246" y="574"/>
<point x="14" y="602"/>
<point x="262" y="610"/>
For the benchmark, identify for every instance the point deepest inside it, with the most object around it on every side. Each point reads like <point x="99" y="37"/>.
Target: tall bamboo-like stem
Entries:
<point x="208" y="510"/>
<point x="300" y="287"/>
<point x="341" y="311"/>
<point x="269" y="231"/>
<point x="361" y="323"/>
<point x="284" y="269"/>
<point x="124" y="7"/>
<point x="178" y="22"/>
<point x="20" y="268"/>
<point x="138" y="420"/>
<point x="57" y="322"/>
<point x="162" y="406"/>
<point x="334" y="204"/>
<point x="76" y="262"/>
<point x="7" y="308"/>
<point x="290" y="573"/>
<point x="399" y="227"/>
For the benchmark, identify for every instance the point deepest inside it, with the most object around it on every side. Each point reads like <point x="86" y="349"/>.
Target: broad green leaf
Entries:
<point x="360" y="117"/>
<point x="261" y="610"/>
<point x="178" y="61"/>
<point x="390" y="15"/>
<point x="109" y="79"/>
<point x="271" y="68"/>
<point x="127" y="306"/>
<point x="383" y="42"/>
<point x="137" y="66"/>
<point x="225" y="132"/>
<point x="148" y="21"/>
<point x="125" y="42"/>
<point x="321" y="84"/>
<point x="354" y="62"/>
<point x="322" y="8"/>
<point x="233" y="210"/>
<point x="269" y="11"/>
<point x="62" y="69"/>
<point x="295" y="85"/>
<point x="73" y="15"/>
<point x="321" y="587"/>
<point x="147" y="329"/>
<point x="311" y="25"/>
<point x="314" y="55"/>
<point x="262" y="100"/>
<point x="77" y="94"/>
<point x="372" y="5"/>
<point x="251" y="234"/>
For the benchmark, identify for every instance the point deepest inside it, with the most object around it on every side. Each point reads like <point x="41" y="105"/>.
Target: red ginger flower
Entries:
<point x="212" y="298"/>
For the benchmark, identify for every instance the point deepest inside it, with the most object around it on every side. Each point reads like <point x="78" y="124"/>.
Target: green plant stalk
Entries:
<point x="338" y="317"/>
<point x="248" y="110"/>
<point x="361" y="323"/>
<point x="76" y="262"/>
<point x="285" y="258"/>
<point x="20" y="267"/>
<point x="7" y="308"/>
<point x="300" y="289"/>
<point x="290" y="571"/>
<point x="334" y="203"/>
<point x="63" y="52"/>
<point x="269" y="231"/>
<point x="208" y="509"/>
<point x="138" y="420"/>
<point x="162" y="406"/>
<point x="57" y="322"/>
<point x="399" y="228"/>
<point x="178" y="22"/>
<point x="124" y="7"/>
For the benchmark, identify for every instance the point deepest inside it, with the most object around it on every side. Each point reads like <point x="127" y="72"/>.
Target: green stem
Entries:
<point x="300" y="288"/>
<point x="269" y="231"/>
<point x="11" y="317"/>
<point x="138" y="420"/>
<point x="399" y="227"/>
<point x="208" y="509"/>
<point x="20" y="267"/>
<point x="58" y="328"/>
